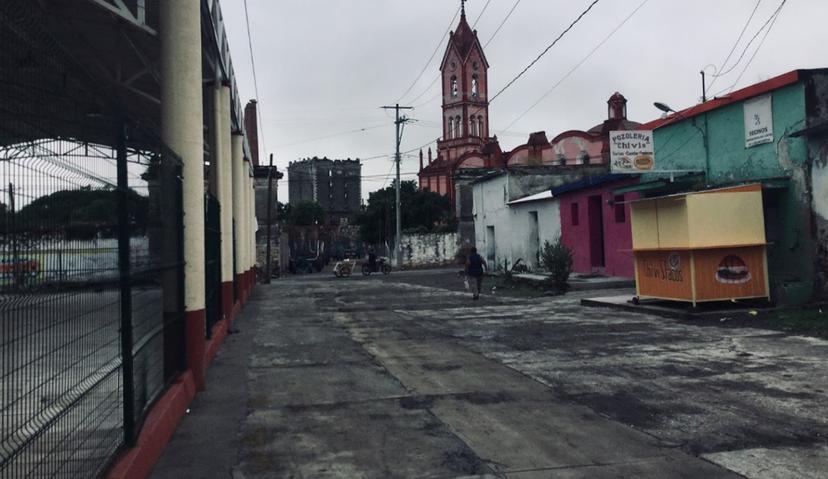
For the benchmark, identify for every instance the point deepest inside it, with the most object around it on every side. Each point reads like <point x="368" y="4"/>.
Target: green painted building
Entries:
<point x="774" y="132"/>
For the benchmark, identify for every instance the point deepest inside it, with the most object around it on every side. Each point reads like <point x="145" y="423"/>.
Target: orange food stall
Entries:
<point x="701" y="246"/>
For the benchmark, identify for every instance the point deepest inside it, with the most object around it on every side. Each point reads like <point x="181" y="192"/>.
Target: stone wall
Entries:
<point x="817" y="121"/>
<point x="277" y="249"/>
<point x="425" y="250"/>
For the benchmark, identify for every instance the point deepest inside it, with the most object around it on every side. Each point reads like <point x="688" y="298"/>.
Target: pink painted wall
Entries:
<point x="618" y="259"/>
<point x="572" y="147"/>
<point x="473" y="162"/>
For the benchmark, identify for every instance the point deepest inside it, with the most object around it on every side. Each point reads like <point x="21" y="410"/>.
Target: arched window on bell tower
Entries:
<point x="475" y="88"/>
<point x="459" y="122"/>
<point x="450" y="132"/>
<point x="480" y="130"/>
<point x="454" y="88"/>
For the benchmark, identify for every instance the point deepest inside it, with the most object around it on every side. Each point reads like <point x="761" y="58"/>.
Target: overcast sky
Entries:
<point x="325" y="66"/>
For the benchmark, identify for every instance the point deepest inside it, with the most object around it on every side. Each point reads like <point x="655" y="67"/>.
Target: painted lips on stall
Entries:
<point x="733" y="270"/>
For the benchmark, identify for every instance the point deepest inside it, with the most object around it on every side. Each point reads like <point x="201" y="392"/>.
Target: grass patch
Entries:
<point x="512" y="288"/>
<point x="809" y="321"/>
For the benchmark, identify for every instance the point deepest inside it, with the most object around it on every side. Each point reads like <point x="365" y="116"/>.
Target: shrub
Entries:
<point x="556" y="257"/>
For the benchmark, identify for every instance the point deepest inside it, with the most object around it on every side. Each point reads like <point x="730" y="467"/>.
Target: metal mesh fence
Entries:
<point x="91" y="310"/>
<point x="212" y="262"/>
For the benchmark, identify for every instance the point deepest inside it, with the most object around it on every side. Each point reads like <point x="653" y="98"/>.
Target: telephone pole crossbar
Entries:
<point x="400" y="123"/>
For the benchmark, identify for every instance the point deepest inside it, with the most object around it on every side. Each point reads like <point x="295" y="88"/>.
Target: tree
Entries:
<point x="556" y="257"/>
<point x="422" y="211"/>
<point x="91" y="209"/>
<point x="282" y="211"/>
<point x="4" y="212"/>
<point x="306" y="213"/>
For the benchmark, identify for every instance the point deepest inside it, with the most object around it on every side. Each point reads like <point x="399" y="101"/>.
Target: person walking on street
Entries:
<point x="475" y="265"/>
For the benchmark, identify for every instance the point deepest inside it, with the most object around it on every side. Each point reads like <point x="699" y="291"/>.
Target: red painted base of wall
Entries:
<point x="195" y="324"/>
<point x="157" y="431"/>
<point x="240" y="287"/>
<point x="216" y="338"/>
<point x="227" y="302"/>
<point x="161" y="422"/>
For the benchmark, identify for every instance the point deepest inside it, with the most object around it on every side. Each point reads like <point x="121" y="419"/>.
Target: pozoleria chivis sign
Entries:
<point x="758" y="121"/>
<point x="631" y="151"/>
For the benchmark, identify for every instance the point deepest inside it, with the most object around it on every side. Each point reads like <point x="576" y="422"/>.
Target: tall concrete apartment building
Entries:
<point x="334" y="184"/>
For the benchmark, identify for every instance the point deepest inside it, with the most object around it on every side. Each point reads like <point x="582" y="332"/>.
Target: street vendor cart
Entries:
<point x="701" y="246"/>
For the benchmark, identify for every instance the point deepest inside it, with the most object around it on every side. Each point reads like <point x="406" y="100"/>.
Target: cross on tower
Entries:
<point x="463" y="7"/>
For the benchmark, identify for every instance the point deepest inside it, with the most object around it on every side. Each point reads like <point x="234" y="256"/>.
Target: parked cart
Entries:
<point x="701" y="246"/>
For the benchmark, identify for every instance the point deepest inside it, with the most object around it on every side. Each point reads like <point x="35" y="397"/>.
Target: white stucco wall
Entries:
<point x="525" y="244"/>
<point x="512" y="224"/>
<point x="490" y="209"/>
<point x="434" y="249"/>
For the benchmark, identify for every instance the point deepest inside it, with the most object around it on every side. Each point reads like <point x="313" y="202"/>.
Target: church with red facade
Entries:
<point x="466" y="150"/>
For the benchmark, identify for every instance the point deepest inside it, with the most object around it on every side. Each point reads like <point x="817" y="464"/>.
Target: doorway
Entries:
<point x="490" y="244"/>
<point x="596" y="232"/>
<point x="534" y="239"/>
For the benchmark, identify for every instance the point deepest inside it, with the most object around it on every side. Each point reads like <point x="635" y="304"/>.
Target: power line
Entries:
<point x="759" y="47"/>
<point x="577" y="65"/>
<point x="497" y="30"/>
<point x="428" y="88"/>
<point x="566" y="30"/>
<point x="255" y="80"/>
<point x="438" y="125"/>
<point x="439" y="74"/>
<point x="513" y="80"/>
<point x="333" y="135"/>
<point x="433" y="54"/>
<point x="747" y="47"/>
<point x="481" y="13"/>
<point x="736" y="44"/>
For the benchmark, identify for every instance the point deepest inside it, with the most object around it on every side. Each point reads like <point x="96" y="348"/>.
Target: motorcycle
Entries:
<point x="379" y="266"/>
<point x="343" y="268"/>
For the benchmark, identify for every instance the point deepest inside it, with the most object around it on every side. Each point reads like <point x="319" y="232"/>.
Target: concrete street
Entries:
<point x="407" y="377"/>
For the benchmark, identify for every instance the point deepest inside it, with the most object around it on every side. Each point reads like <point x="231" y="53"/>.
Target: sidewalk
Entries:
<point x="206" y="442"/>
<point x="333" y="379"/>
<point x="579" y="282"/>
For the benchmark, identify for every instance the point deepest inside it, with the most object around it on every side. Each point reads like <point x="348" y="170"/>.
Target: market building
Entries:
<point x="771" y="133"/>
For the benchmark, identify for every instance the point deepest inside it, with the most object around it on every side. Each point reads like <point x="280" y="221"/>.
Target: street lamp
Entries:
<point x="666" y="109"/>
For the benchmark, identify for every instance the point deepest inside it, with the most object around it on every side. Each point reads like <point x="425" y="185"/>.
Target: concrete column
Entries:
<point x="182" y="130"/>
<point x="238" y="208"/>
<point x="225" y="196"/>
<point x="248" y="225"/>
<point x="253" y="226"/>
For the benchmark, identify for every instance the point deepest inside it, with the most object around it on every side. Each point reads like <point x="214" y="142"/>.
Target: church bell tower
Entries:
<point x="465" y="92"/>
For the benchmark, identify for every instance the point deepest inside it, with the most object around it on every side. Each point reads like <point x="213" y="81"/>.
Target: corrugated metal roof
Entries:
<point x="745" y="93"/>
<point x="589" y="182"/>
<point x="543" y="195"/>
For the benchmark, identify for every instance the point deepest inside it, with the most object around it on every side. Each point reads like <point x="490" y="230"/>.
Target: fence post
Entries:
<point x="125" y="287"/>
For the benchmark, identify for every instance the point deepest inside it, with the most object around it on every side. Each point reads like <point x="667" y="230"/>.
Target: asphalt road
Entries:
<point x="398" y="376"/>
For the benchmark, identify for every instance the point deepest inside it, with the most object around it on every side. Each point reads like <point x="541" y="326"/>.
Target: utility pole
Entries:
<point x="269" y="220"/>
<point x="704" y="88"/>
<point x="399" y="122"/>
